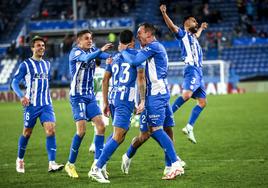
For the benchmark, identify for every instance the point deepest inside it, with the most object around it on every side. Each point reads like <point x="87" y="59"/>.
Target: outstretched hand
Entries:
<point x="106" y="47"/>
<point x="204" y="25"/>
<point x="163" y="9"/>
<point x="106" y="110"/>
<point x="25" y="101"/>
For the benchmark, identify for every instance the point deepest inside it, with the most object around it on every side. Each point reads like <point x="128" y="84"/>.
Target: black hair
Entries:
<point x="126" y="36"/>
<point x="149" y="27"/>
<point x="37" y="38"/>
<point x="82" y="32"/>
<point x="98" y="62"/>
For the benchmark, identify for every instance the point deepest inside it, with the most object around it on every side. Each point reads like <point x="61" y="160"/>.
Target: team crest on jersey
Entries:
<point x="147" y="48"/>
<point x="81" y="114"/>
<point x="85" y="65"/>
<point x="77" y="52"/>
<point x="41" y="76"/>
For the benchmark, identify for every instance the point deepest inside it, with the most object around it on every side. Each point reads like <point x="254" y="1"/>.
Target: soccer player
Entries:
<point x="143" y="136"/>
<point x="98" y="77"/>
<point x="123" y="102"/>
<point x="82" y="98"/>
<point x="36" y="101"/>
<point x="157" y="99"/>
<point x="193" y="84"/>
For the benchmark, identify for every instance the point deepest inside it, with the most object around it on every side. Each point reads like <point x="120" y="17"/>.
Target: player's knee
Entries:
<point x="202" y="103"/>
<point x="100" y="128"/>
<point x="27" y="132"/>
<point x="50" y="129"/>
<point x="81" y="132"/>
<point x="186" y="96"/>
<point x="50" y="132"/>
<point x="119" y="138"/>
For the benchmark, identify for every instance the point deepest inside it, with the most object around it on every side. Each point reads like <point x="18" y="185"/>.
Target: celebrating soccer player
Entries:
<point x="158" y="111"/>
<point x="193" y="84"/>
<point x="36" y="102"/>
<point x="123" y="103"/>
<point x="84" y="105"/>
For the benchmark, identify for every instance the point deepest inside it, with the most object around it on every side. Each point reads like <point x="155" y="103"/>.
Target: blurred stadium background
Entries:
<point x="237" y="35"/>
<point x="235" y="48"/>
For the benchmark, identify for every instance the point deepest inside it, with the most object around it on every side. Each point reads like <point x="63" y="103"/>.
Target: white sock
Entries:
<point x="189" y="127"/>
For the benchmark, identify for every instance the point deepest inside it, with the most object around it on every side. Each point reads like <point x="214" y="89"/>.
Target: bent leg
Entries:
<point x="77" y="139"/>
<point x="99" y="136"/>
<point x="111" y="146"/>
<point x="136" y="143"/>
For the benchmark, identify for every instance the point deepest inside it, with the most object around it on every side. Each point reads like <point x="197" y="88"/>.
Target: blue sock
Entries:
<point x="23" y="141"/>
<point x="177" y="104"/>
<point x="109" y="137"/>
<point x="195" y="113"/>
<point x="99" y="141"/>
<point x="167" y="160"/>
<point x="131" y="151"/>
<point x="51" y="147"/>
<point x="75" y="148"/>
<point x="166" y="143"/>
<point x="107" y="152"/>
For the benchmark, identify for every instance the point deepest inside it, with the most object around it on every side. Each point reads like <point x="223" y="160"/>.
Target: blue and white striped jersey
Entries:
<point x="82" y="68"/>
<point x="124" y="77"/>
<point x="190" y="49"/>
<point x="36" y="76"/>
<point x="156" y="68"/>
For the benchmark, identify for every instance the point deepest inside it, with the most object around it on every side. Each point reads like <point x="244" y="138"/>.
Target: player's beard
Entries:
<point x="193" y="29"/>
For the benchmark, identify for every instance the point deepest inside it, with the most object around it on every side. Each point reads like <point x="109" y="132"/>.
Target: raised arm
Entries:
<point x="204" y="26"/>
<point x="168" y="21"/>
<point x="103" y="54"/>
<point x="89" y="56"/>
<point x="98" y="52"/>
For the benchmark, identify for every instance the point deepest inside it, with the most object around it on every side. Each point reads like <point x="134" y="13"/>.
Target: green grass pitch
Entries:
<point x="232" y="148"/>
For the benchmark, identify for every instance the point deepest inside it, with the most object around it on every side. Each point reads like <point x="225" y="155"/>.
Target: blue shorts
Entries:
<point x="122" y="115"/>
<point x="159" y="112"/>
<point x="84" y="107"/>
<point x="143" y="122"/>
<point x="44" y="113"/>
<point x="193" y="81"/>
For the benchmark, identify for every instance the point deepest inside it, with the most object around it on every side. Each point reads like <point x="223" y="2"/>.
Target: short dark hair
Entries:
<point x="82" y="32"/>
<point x="98" y="62"/>
<point x="37" y="38"/>
<point x="186" y="18"/>
<point x="149" y="27"/>
<point x="126" y="36"/>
